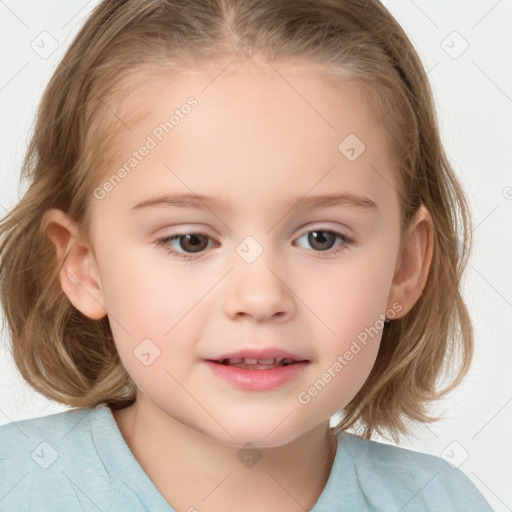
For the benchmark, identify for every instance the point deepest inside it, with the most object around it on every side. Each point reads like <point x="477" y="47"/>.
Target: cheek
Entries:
<point x="156" y="308"/>
<point x="350" y="299"/>
<point x="150" y="312"/>
<point x="147" y="295"/>
<point x="351" y="296"/>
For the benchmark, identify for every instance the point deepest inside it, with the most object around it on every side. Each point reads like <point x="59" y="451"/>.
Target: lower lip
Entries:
<point x="257" y="380"/>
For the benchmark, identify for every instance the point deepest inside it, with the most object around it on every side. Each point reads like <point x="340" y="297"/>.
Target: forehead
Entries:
<point x="254" y="128"/>
<point x="254" y="94"/>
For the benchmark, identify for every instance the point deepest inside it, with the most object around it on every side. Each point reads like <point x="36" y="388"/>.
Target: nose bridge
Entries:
<point x="256" y="288"/>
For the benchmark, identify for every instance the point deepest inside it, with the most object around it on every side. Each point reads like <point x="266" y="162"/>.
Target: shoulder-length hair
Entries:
<point x="72" y="359"/>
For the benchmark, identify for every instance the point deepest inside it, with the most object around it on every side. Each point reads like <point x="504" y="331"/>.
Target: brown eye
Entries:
<point x="185" y="245"/>
<point x="193" y="242"/>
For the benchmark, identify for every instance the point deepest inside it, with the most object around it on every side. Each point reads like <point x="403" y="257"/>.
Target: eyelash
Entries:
<point x="164" y="243"/>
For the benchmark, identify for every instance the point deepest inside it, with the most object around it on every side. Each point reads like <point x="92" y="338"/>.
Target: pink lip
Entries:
<point x="256" y="380"/>
<point x="266" y="353"/>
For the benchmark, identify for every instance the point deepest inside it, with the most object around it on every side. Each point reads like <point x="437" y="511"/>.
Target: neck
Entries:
<point x="191" y="469"/>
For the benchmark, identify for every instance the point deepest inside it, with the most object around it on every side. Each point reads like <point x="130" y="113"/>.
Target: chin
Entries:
<point x="262" y="434"/>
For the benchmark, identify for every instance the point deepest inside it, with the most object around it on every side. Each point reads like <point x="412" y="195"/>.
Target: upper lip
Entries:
<point x="251" y="353"/>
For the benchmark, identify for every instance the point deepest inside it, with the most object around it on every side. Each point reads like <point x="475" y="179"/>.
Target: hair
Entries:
<point x="71" y="358"/>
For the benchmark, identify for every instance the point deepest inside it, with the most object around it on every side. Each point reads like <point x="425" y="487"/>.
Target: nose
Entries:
<point x="257" y="292"/>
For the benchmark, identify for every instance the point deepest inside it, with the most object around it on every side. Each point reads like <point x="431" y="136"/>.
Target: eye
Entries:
<point x="191" y="243"/>
<point x="322" y="240"/>
<point x="188" y="245"/>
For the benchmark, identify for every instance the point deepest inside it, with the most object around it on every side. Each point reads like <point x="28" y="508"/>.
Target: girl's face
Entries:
<point x="259" y="271"/>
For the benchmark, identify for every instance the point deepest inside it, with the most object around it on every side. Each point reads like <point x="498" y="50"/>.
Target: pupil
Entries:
<point x="319" y="237"/>
<point x="194" y="241"/>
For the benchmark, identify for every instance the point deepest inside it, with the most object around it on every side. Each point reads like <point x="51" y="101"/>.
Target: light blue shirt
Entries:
<point x="78" y="460"/>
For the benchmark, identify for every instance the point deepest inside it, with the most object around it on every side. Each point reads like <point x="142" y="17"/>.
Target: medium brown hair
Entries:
<point x="72" y="359"/>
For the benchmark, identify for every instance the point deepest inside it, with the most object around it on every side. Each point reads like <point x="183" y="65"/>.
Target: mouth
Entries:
<point x="257" y="370"/>
<point x="267" y="358"/>
<point x="251" y="363"/>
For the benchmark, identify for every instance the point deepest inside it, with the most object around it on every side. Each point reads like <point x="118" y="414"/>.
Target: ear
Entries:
<point x="413" y="263"/>
<point x="79" y="277"/>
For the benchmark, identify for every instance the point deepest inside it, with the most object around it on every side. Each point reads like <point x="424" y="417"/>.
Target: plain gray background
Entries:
<point x="466" y="47"/>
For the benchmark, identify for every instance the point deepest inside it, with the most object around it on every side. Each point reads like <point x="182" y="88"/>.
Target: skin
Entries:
<point x="258" y="144"/>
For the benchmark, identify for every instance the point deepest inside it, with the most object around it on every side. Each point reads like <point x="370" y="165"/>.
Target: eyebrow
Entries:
<point x="202" y="202"/>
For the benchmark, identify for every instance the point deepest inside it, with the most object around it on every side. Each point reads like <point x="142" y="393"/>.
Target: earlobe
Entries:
<point x="78" y="275"/>
<point x="413" y="262"/>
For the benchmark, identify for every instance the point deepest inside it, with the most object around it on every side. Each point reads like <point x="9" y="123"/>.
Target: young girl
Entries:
<point x="240" y="221"/>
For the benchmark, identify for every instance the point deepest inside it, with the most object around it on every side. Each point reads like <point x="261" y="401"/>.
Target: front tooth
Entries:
<point x="251" y="361"/>
<point x="236" y="360"/>
<point x="266" y="361"/>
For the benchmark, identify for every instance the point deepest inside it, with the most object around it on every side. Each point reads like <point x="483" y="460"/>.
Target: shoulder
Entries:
<point x="36" y="438"/>
<point x="410" y="480"/>
<point x="40" y="458"/>
<point x="17" y="438"/>
<point x="43" y="424"/>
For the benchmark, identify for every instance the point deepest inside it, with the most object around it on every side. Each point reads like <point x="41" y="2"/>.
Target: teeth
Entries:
<point x="250" y="360"/>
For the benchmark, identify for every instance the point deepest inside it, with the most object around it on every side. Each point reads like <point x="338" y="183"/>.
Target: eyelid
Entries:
<point x="307" y="228"/>
<point x="324" y="226"/>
